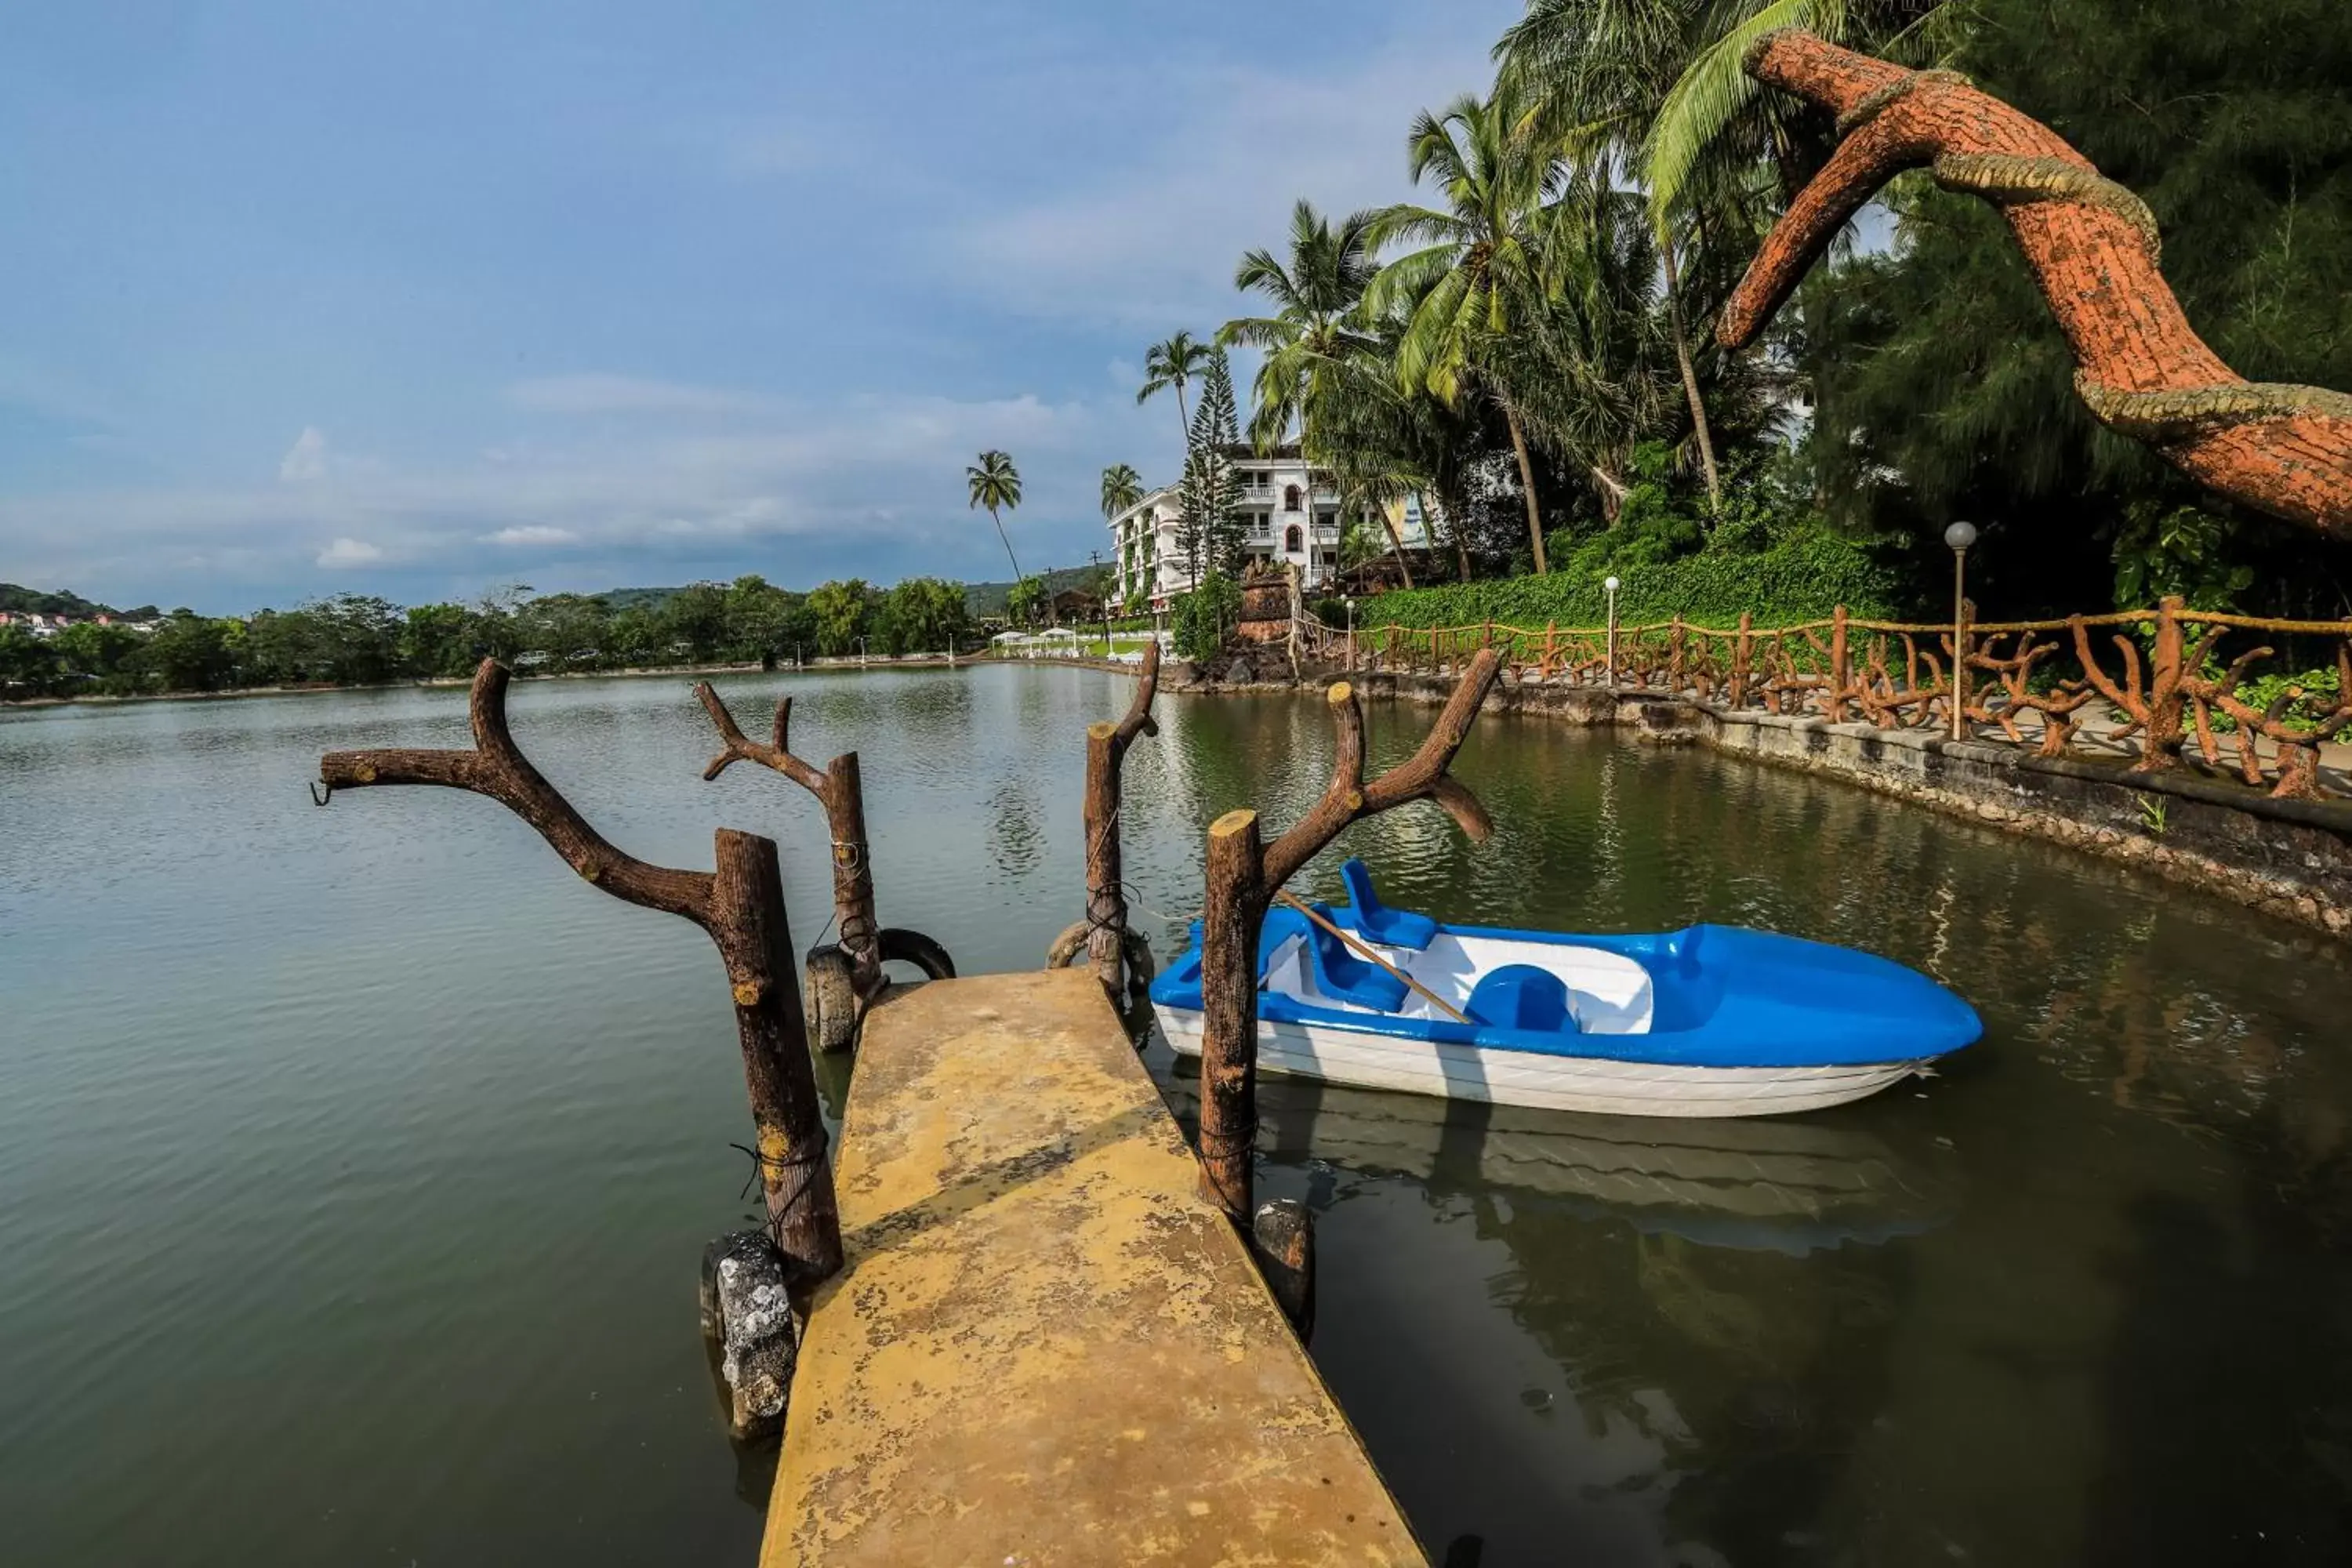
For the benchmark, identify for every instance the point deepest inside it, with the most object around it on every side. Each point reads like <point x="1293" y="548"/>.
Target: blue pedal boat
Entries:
<point x="1707" y="1021"/>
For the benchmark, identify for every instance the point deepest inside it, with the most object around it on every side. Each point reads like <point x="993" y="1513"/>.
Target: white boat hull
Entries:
<point x="1541" y="1080"/>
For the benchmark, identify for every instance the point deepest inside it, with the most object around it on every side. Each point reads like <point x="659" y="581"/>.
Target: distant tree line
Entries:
<point x="354" y="640"/>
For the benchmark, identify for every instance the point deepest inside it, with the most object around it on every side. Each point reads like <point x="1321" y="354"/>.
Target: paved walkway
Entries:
<point x="1047" y="1347"/>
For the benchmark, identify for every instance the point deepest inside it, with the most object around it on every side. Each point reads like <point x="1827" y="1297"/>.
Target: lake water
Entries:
<point x="355" y="1164"/>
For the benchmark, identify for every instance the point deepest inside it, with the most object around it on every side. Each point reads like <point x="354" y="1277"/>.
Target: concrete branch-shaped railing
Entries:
<point x="2093" y="247"/>
<point x="1245" y="873"/>
<point x="741" y="906"/>
<point x="1104" y="935"/>
<point x="842" y="981"/>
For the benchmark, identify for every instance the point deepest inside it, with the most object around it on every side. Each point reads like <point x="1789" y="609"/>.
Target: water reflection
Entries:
<point x="423" y="1094"/>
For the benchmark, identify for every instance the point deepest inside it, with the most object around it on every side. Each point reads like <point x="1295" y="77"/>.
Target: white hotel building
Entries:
<point x="1290" y="514"/>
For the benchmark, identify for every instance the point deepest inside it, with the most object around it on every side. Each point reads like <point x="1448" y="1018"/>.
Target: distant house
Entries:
<point x="1075" y="604"/>
<point x="1290" y="515"/>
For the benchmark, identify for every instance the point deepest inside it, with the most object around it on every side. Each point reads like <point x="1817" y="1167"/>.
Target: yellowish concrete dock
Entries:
<point x="1046" y="1348"/>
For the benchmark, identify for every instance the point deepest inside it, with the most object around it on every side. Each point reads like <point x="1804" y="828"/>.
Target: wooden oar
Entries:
<point x="1361" y="951"/>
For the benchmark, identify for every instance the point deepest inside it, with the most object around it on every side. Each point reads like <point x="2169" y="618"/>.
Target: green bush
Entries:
<point x="1801" y="576"/>
<point x="2319" y="696"/>
<point x="1202" y="616"/>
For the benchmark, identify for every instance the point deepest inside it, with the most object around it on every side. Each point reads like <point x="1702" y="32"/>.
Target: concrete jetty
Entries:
<point x="1045" y="1346"/>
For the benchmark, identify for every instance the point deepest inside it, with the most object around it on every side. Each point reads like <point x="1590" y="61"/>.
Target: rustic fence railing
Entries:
<point x="2161" y="680"/>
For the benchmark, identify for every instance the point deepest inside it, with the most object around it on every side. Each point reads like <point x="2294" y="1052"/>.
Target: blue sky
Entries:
<point x="420" y="298"/>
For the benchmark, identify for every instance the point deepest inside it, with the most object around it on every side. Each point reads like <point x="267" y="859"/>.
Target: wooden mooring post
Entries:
<point x="739" y="906"/>
<point x="1103" y="936"/>
<point x="842" y="981"/>
<point x="1243" y="875"/>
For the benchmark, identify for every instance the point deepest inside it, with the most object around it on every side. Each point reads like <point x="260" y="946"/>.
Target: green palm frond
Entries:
<point x="1716" y="88"/>
<point x="1122" y="488"/>
<point x="1171" y="364"/>
<point x="993" y="482"/>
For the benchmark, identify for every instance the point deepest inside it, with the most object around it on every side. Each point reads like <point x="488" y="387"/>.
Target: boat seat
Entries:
<point x="1521" y="996"/>
<point x="1390" y="927"/>
<point x="1344" y="977"/>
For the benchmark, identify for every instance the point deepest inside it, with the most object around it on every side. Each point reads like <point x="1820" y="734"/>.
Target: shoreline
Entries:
<point x="2288" y="859"/>
<point x="437" y="682"/>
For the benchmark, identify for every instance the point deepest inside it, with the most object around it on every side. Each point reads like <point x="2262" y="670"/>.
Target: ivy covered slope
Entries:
<point x="1802" y="579"/>
<point x="1765" y="555"/>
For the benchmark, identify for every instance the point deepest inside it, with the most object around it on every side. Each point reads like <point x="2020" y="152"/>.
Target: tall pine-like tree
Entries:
<point x="1209" y="528"/>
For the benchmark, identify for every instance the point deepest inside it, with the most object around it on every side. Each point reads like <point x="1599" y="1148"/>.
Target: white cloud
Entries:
<point x="349" y="553"/>
<point x="872" y="483"/>
<point x="305" y="459"/>
<point x="603" y="394"/>
<point x="1155" y="243"/>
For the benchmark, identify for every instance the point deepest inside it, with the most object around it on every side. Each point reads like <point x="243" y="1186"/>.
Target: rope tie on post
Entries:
<point x="806" y="1162"/>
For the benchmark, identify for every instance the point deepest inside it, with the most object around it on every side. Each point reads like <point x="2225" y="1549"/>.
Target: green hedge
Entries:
<point x="1798" y="579"/>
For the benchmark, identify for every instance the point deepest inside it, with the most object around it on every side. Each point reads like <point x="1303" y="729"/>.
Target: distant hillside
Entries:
<point x="647" y="599"/>
<point x="34" y="601"/>
<point x="984" y="599"/>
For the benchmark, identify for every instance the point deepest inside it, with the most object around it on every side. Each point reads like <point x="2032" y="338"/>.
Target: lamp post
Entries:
<point x="861" y="653"/>
<point x="1349" y="600"/>
<point x="1611" y="585"/>
<point x="1959" y="536"/>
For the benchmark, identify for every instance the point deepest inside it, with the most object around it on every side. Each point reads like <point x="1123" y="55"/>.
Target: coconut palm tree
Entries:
<point x="1315" y="297"/>
<point x="1382" y="440"/>
<point x="1589" y="372"/>
<point x="1668" y="77"/>
<point x="1122" y="487"/>
<point x="995" y="483"/>
<point x="1590" y="76"/>
<point x="1480" y="270"/>
<point x="1714" y="100"/>
<point x="1169" y="364"/>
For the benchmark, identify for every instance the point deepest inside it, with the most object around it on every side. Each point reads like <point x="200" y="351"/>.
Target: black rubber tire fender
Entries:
<point x="829" y="997"/>
<point x="913" y="947"/>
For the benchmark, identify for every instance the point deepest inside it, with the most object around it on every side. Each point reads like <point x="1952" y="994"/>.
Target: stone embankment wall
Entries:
<point x="2286" y="858"/>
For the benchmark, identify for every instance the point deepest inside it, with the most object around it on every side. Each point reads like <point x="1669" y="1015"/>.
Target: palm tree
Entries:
<point x="1170" y="365"/>
<point x="1314" y="327"/>
<point x="1714" y="100"/>
<point x="1381" y="439"/>
<point x="1480" y="268"/>
<point x="1591" y="75"/>
<point x="1588" y="372"/>
<point x="1122" y="487"/>
<point x="1666" y="78"/>
<point x="995" y="483"/>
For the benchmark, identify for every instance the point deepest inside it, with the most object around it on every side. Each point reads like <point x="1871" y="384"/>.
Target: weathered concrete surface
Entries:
<point x="1046" y="1348"/>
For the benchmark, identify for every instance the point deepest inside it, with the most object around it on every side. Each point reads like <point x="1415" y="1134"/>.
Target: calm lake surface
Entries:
<point x="355" y="1164"/>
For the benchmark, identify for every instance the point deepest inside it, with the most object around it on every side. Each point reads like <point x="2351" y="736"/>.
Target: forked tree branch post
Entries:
<point x="1103" y="935"/>
<point x="1245" y="873"/>
<point x="840" y="790"/>
<point x="741" y="906"/>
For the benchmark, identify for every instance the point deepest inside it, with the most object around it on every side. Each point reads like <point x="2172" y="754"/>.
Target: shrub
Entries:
<point x="1801" y="576"/>
<point x="1202" y="617"/>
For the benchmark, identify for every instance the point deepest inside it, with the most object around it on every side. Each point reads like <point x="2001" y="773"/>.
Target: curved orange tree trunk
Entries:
<point x="2093" y="247"/>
